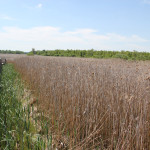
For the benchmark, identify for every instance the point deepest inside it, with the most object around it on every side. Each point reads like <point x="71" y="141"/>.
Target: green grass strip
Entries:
<point x="16" y="129"/>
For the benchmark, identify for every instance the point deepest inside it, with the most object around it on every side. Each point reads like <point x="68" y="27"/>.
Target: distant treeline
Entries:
<point x="11" y="52"/>
<point x="128" y="55"/>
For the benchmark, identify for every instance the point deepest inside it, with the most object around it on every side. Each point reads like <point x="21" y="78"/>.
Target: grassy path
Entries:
<point x="16" y="128"/>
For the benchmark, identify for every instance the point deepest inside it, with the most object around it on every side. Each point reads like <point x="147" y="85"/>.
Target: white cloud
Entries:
<point x="5" y="17"/>
<point x="53" y="38"/>
<point x="39" y="6"/>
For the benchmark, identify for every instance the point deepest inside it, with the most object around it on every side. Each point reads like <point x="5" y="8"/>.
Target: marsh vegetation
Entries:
<point x="91" y="103"/>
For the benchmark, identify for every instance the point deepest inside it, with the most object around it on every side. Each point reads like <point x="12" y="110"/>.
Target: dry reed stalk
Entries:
<point x="92" y="103"/>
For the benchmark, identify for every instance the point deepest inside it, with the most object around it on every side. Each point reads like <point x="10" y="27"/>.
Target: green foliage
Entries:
<point x="12" y="117"/>
<point x="16" y="128"/>
<point x="11" y="52"/>
<point x="30" y="53"/>
<point x="122" y="56"/>
<point x="128" y="55"/>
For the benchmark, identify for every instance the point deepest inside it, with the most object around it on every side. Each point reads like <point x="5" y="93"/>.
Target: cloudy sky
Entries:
<point x="75" y="24"/>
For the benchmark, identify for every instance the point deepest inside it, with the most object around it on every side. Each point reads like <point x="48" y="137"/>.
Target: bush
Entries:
<point x="122" y="56"/>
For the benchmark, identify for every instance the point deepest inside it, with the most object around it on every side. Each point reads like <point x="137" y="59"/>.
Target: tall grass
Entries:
<point x="91" y="103"/>
<point x="0" y="64"/>
<point x="17" y="130"/>
<point x="11" y="57"/>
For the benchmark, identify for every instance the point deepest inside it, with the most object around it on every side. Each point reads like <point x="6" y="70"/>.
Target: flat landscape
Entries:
<point x="88" y="103"/>
<point x="75" y="75"/>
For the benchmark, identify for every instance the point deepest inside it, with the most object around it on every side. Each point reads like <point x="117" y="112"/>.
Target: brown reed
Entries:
<point x="92" y="103"/>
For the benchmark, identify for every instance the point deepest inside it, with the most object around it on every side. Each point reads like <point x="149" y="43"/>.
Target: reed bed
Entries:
<point x="91" y="103"/>
<point x="0" y="65"/>
<point x="11" y="57"/>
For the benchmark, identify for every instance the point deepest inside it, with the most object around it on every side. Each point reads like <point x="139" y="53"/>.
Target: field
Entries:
<point x="90" y="103"/>
<point x="11" y="57"/>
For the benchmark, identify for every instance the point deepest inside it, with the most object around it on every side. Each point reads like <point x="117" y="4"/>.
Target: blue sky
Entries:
<point x="75" y="24"/>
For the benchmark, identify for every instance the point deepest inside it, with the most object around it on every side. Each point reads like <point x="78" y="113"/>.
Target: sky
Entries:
<point x="75" y="24"/>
